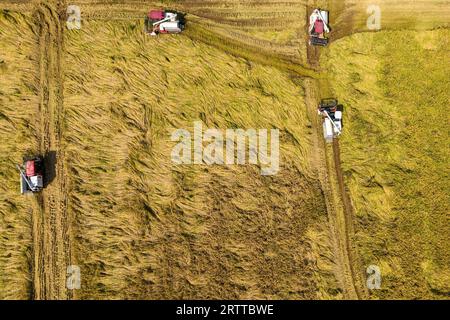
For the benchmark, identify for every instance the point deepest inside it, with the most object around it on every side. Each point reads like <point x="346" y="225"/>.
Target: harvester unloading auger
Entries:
<point x="318" y="28"/>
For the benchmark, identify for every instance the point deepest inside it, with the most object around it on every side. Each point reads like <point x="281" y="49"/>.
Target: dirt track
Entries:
<point x="340" y="212"/>
<point x="339" y="206"/>
<point x="50" y="222"/>
<point x="355" y="266"/>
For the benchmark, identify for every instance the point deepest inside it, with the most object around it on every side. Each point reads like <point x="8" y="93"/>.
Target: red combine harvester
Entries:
<point x="318" y="28"/>
<point x="159" y="21"/>
<point x="31" y="175"/>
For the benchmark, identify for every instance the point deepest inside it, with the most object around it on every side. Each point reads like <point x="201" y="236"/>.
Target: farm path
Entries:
<point x="51" y="249"/>
<point x="328" y="165"/>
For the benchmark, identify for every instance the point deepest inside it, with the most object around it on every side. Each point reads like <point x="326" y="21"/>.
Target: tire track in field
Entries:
<point x="51" y="248"/>
<point x="341" y="211"/>
<point x="355" y="265"/>
<point x="338" y="213"/>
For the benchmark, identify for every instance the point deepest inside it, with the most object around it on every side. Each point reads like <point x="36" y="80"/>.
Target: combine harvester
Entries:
<point x="332" y="118"/>
<point x="31" y="175"/>
<point x="318" y="28"/>
<point x="159" y="21"/>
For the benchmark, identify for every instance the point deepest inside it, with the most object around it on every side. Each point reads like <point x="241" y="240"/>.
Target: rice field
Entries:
<point x="274" y="26"/>
<point x="146" y="228"/>
<point x="17" y="110"/>
<point x="141" y="227"/>
<point x="395" y="154"/>
<point x="351" y="16"/>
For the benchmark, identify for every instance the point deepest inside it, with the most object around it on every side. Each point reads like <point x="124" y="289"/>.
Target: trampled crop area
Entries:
<point x="143" y="227"/>
<point x="101" y="103"/>
<point x="147" y="228"/>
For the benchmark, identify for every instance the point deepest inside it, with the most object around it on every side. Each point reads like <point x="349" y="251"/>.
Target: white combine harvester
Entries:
<point x="318" y="28"/>
<point x="159" y="21"/>
<point x="332" y="118"/>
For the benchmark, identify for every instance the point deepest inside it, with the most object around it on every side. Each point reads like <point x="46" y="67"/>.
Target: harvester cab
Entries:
<point x="331" y="113"/>
<point x="159" y="21"/>
<point x="31" y="175"/>
<point x="318" y="28"/>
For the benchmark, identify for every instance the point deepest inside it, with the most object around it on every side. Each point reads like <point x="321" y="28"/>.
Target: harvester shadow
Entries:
<point x="341" y="108"/>
<point x="50" y="160"/>
<point x="181" y="17"/>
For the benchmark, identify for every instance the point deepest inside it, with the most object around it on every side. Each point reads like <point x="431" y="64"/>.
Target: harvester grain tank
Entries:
<point x="159" y="21"/>
<point x="31" y="175"/>
<point x="328" y="130"/>
<point x="331" y="113"/>
<point x="318" y="28"/>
